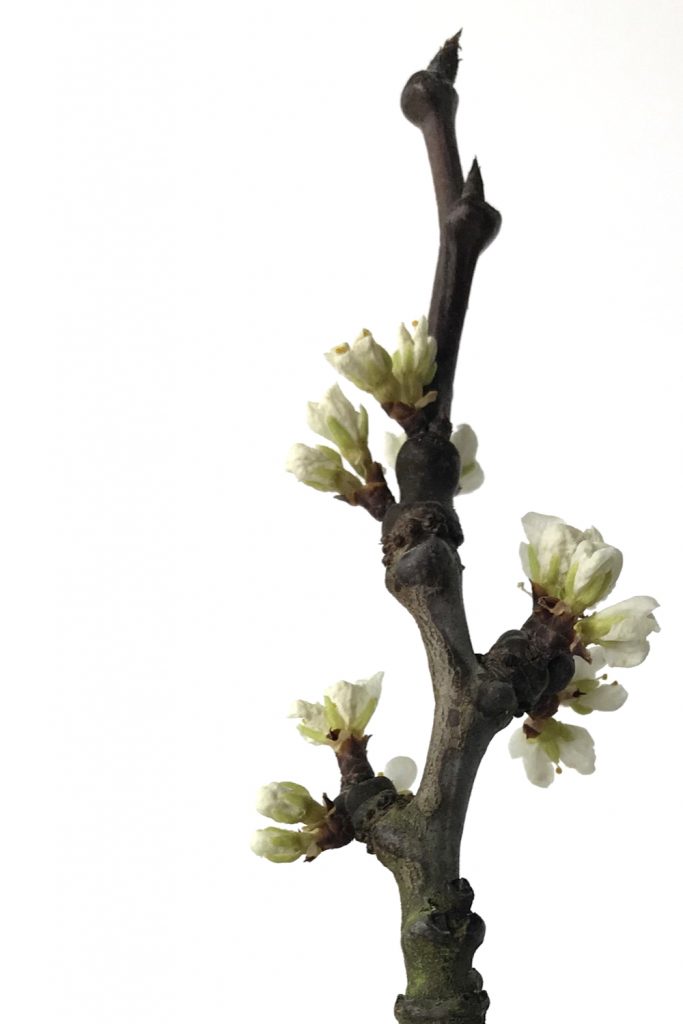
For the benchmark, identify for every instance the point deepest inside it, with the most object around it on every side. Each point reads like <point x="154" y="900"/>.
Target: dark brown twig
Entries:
<point x="467" y="222"/>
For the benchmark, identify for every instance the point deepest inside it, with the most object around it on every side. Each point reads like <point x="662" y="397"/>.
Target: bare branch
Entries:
<point x="468" y="224"/>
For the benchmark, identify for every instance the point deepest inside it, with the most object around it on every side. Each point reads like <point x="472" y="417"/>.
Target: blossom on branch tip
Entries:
<point x="402" y="771"/>
<point x="622" y="630"/>
<point x="289" y="803"/>
<point x="543" y="744"/>
<point x="573" y="565"/>
<point x="282" y="846"/>
<point x="336" y="419"/>
<point x="322" y="469"/>
<point x="587" y="692"/>
<point x="347" y="709"/>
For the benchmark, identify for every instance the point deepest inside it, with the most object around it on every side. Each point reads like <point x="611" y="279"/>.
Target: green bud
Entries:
<point x="288" y="802"/>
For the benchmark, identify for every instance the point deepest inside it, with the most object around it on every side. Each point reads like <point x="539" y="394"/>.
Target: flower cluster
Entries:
<point x="398" y="378"/>
<point x="576" y="569"/>
<point x="465" y="440"/>
<point x="342" y="717"/>
<point x="290" y="803"/>
<point x="335" y="419"/>
<point x="579" y="569"/>
<point x="397" y="382"/>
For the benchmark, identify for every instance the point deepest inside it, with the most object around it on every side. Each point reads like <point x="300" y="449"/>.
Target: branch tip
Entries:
<point x="445" y="63"/>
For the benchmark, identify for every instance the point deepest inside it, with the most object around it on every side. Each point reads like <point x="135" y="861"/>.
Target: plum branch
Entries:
<point x="547" y="664"/>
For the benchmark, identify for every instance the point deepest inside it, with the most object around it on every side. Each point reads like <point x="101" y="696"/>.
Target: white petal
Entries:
<point x="524" y="550"/>
<point x="626" y="653"/>
<point x="539" y="768"/>
<point x="537" y="764"/>
<point x="517" y="743"/>
<point x="584" y="671"/>
<point x="471" y="479"/>
<point x="353" y="701"/>
<point x="598" y="659"/>
<point x="577" y="752"/>
<point x="608" y="697"/>
<point x="596" y="562"/>
<point x="392" y="446"/>
<point x="312" y="717"/>
<point x="534" y="524"/>
<point x="465" y="440"/>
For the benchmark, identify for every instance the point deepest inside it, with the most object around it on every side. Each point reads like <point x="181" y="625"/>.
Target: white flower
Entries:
<point x="414" y="362"/>
<point x="542" y="745"/>
<point x="289" y="803"/>
<point x="367" y="365"/>
<point x="402" y="771"/>
<point x="471" y="473"/>
<point x="576" y="567"/>
<point x="621" y="630"/>
<point x="321" y="468"/>
<point x="587" y="692"/>
<point x="336" y="419"/>
<point x="346" y="712"/>
<point x="537" y="765"/>
<point x="282" y="846"/>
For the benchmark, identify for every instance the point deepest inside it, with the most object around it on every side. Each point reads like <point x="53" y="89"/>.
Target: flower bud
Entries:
<point x="282" y="846"/>
<point x="289" y="803"/>
<point x="367" y="365"/>
<point x="593" y="571"/>
<point x="322" y="469"/>
<point x="414" y="361"/>
<point x="336" y="419"/>
<point x="576" y="567"/>
<point x="402" y="771"/>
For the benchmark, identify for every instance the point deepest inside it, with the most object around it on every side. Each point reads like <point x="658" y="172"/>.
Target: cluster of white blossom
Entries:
<point x="337" y="420"/>
<point x="578" y="569"/>
<point x="344" y="714"/>
<point x="398" y="378"/>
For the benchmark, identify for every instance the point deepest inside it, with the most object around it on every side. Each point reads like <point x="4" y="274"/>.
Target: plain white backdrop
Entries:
<point x="197" y="201"/>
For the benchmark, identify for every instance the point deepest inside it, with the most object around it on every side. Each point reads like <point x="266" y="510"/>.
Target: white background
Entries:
<point x="197" y="201"/>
